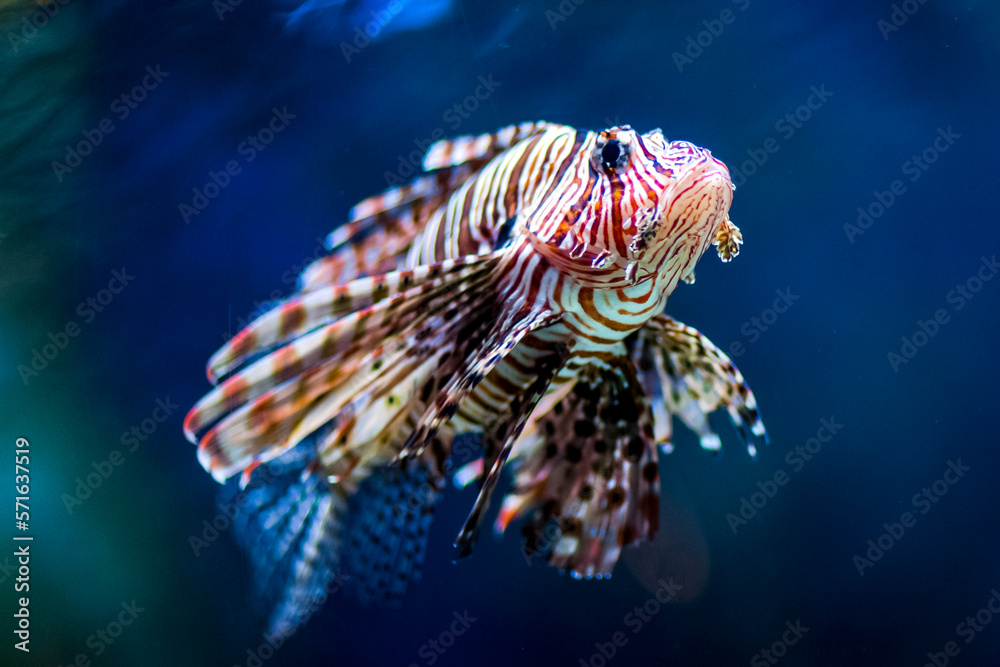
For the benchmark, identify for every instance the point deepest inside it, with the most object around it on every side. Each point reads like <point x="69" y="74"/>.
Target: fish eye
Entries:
<point x="611" y="152"/>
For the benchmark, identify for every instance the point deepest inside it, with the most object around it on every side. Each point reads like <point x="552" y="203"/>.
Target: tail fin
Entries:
<point x="289" y="529"/>
<point x="306" y="540"/>
<point x="386" y="531"/>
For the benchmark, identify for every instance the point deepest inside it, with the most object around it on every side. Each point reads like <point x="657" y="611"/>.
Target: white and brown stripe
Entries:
<point x="526" y="273"/>
<point x="577" y="227"/>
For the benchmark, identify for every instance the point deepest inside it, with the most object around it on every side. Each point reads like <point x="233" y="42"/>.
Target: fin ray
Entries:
<point x="482" y="147"/>
<point x="696" y="378"/>
<point x="500" y="442"/>
<point x="592" y="469"/>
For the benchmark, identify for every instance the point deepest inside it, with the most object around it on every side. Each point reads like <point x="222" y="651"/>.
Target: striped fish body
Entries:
<point x="587" y="236"/>
<point x="516" y="290"/>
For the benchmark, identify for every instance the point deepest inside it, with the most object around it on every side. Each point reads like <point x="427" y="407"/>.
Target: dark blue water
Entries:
<point x="865" y="534"/>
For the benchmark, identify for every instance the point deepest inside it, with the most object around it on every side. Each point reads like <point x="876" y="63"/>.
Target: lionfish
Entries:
<point x="515" y="290"/>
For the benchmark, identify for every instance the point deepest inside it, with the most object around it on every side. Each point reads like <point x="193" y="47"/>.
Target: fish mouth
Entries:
<point x="693" y="206"/>
<point x="706" y="194"/>
<point x="695" y="216"/>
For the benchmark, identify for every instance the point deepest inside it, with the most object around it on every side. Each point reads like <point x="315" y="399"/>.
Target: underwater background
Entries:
<point x="167" y="168"/>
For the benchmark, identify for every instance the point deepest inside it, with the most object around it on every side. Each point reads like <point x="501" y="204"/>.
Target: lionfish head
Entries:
<point x="638" y="207"/>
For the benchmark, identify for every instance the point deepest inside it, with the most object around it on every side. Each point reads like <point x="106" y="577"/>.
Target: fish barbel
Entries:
<point x="516" y="290"/>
